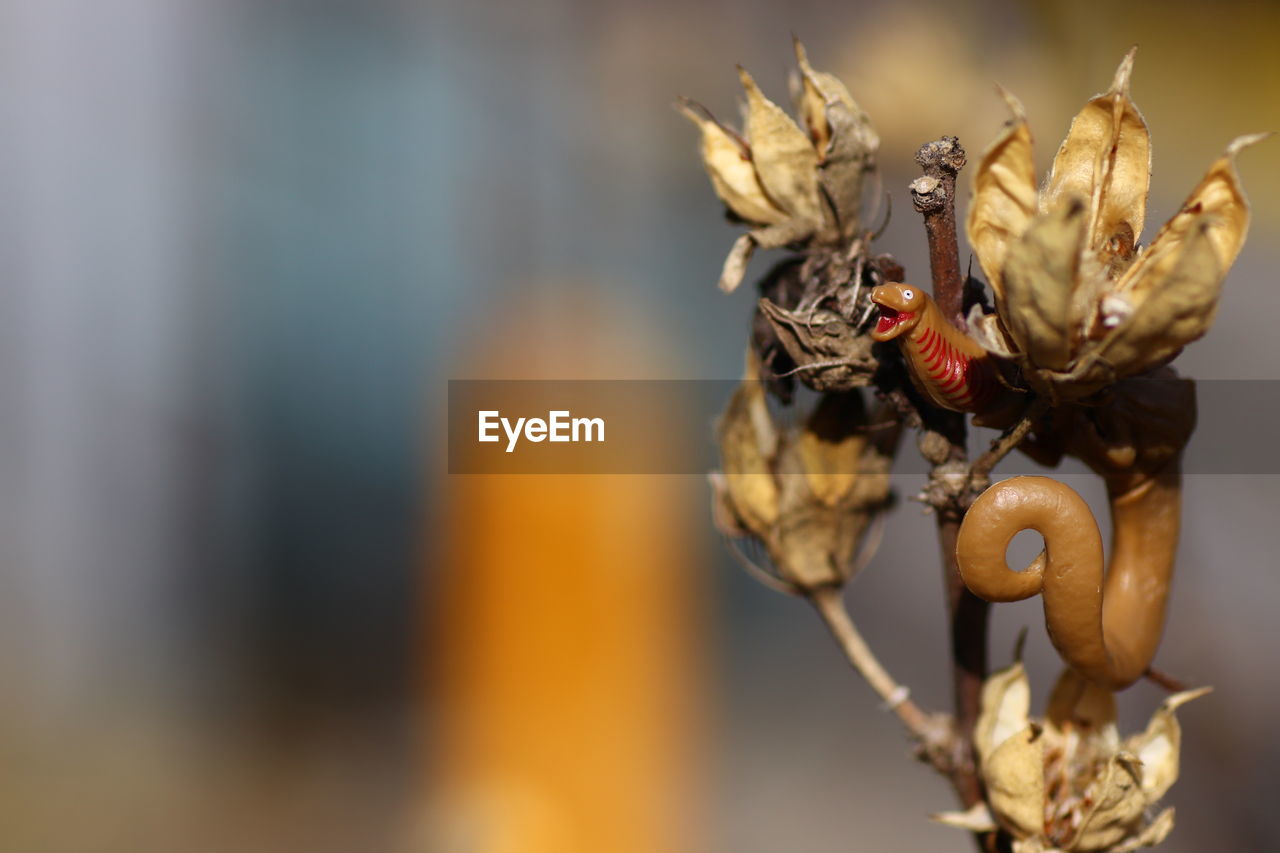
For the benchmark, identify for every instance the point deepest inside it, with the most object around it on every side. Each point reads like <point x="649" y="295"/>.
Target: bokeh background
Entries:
<point x="244" y="606"/>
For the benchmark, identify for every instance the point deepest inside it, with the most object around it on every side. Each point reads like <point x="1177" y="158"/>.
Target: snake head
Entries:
<point x="901" y="306"/>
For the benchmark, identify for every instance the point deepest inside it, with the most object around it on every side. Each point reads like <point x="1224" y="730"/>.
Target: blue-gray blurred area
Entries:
<point x="244" y="246"/>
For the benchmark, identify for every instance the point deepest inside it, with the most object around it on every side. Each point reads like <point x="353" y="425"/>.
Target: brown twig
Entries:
<point x="932" y="732"/>
<point x="934" y="195"/>
<point x="1164" y="680"/>
<point x="980" y="471"/>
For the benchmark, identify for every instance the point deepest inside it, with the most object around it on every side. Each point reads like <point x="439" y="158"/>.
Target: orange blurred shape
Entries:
<point x="565" y="650"/>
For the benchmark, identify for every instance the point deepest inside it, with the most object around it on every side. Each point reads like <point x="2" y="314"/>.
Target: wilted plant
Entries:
<point x="1071" y="360"/>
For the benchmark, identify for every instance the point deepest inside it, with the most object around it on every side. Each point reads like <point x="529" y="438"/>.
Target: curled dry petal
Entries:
<point x="1158" y="747"/>
<point x="1070" y="784"/>
<point x="1006" y="705"/>
<point x="830" y="452"/>
<point x="843" y="137"/>
<point x="1106" y="161"/>
<point x="1014" y="774"/>
<point x="1077" y="706"/>
<point x="1004" y="197"/>
<point x="1040" y="272"/>
<point x="1117" y="805"/>
<point x="784" y="157"/>
<point x="727" y="159"/>
<point x="1171" y="292"/>
<point x="748" y="443"/>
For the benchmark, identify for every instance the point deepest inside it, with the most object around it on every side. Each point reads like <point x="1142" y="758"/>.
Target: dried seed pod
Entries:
<point x="793" y="186"/>
<point x="1081" y="301"/>
<point x="806" y="492"/>
<point x="1067" y="782"/>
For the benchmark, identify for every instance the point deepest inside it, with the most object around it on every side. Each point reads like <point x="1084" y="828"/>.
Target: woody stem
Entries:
<point x="933" y="195"/>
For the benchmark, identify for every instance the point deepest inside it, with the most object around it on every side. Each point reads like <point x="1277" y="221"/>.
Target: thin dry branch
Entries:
<point x="932" y="732"/>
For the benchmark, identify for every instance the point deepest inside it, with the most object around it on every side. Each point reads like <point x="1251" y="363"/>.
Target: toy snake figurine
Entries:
<point x="947" y="366"/>
<point x="1107" y="633"/>
<point x="1105" y="622"/>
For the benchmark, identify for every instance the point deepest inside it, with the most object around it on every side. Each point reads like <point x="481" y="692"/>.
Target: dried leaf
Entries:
<point x="1004" y="197"/>
<point x="1014" y="774"/>
<point x="1118" y="805"/>
<point x="825" y="345"/>
<point x="1106" y="160"/>
<point x="1040" y="274"/>
<point x="1006" y="704"/>
<point x="811" y="100"/>
<point x="723" y="514"/>
<point x="727" y="160"/>
<point x="786" y="161"/>
<point x="1158" y="747"/>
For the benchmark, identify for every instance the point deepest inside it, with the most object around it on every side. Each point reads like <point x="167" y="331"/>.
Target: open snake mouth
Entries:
<point x="890" y="320"/>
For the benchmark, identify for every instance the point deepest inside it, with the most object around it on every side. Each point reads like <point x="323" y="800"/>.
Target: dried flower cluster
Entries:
<point x="1067" y="782"/>
<point x="1079" y="302"/>
<point x="792" y="186"/>
<point x="806" y="492"/>
<point x="1084" y="317"/>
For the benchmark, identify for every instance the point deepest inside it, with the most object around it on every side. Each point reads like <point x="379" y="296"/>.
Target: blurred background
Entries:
<point x="244" y="606"/>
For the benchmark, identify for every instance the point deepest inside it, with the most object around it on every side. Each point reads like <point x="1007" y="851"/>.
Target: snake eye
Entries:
<point x="908" y="294"/>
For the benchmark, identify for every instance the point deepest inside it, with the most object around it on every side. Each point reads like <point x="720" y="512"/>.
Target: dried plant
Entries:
<point x="1069" y="357"/>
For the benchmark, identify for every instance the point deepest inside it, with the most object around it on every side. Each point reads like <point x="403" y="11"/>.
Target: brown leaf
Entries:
<point x="1178" y="308"/>
<point x="1004" y="197"/>
<point x="843" y="136"/>
<point x="825" y="345"/>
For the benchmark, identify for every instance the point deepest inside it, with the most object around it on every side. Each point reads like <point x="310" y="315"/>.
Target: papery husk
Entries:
<point x="785" y="159"/>
<point x="1040" y="274"/>
<point x="1169" y="297"/>
<point x="1005" y="708"/>
<point x="1014" y="774"/>
<point x="727" y="160"/>
<point x="1158" y="747"/>
<point x="748" y="444"/>
<point x="1004" y="197"/>
<point x="1118" y="805"/>
<point x="1106" y="161"/>
<point x="843" y="137"/>
<point x="831" y="453"/>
